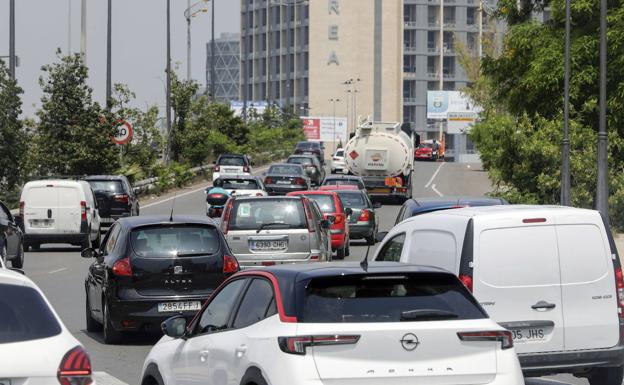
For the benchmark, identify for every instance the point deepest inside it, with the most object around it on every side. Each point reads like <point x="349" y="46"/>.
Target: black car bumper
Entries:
<point x="75" y="238"/>
<point x="285" y="189"/>
<point x="580" y="361"/>
<point x="358" y="231"/>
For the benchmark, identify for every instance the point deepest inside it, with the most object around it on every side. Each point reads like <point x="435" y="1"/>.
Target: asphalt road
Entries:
<point x="60" y="271"/>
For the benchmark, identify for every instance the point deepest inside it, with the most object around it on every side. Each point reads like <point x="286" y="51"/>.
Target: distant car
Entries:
<point x="333" y="210"/>
<point x="364" y="221"/>
<point x="240" y="185"/>
<point x="428" y="150"/>
<point x="338" y="180"/>
<point x="338" y="162"/>
<point x="115" y="196"/>
<point x="151" y="267"/>
<point x="336" y="324"/>
<point x="276" y="230"/>
<point x="236" y="164"/>
<point x="311" y="148"/>
<point x="282" y="178"/>
<point x="35" y="346"/>
<point x="418" y="206"/>
<point x="11" y="239"/>
<point x="312" y="166"/>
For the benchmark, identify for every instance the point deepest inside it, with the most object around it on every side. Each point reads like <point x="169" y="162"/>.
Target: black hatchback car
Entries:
<point x="311" y="148"/>
<point x="115" y="197"/>
<point x="149" y="268"/>
<point x="11" y="238"/>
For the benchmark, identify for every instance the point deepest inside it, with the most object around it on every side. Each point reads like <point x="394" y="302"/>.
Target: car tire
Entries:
<point x="111" y="336"/>
<point x="340" y="253"/>
<point x="333" y="171"/>
<point x="606" y="376"/>
<point x="348" y="248"/>
<point x="92" y="324"/>
<point x="86" y="244"/>
<point x="35" y="246"/>
<point x="18" y="262"/>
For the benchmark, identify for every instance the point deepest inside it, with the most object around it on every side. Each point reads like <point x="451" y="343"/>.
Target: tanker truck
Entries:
<point x="383" y="155"/>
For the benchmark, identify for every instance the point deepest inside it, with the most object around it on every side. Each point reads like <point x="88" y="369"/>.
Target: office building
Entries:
<point x="227" y="66"/>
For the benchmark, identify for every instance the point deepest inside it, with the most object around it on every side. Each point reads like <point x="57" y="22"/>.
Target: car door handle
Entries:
<point x="241" y="350"/>
<point x="543" y="305"/>
<point x="203" y="355"/>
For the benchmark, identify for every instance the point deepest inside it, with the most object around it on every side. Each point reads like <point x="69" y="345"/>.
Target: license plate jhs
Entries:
<point x="520" y="335"/>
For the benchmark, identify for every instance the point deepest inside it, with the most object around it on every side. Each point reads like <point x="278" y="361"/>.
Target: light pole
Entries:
<point x="565" y="144"/>
<point x="109" y="83"/>
<point x="168" y="96"/>
<point x="190" y="12"/>
<point x="352" y="84"/>
<point x="602" y="196"/>
<point x="69" y="27"/>
<point x="212" y="53"/>
<point x="333" y="101"/>
<point x="12" y="39"/>
<point x="83" y="31"/>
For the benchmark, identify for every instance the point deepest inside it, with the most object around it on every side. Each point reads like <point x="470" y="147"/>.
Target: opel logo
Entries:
<point x="177" y="270"/>
<point x="409" y="342"/>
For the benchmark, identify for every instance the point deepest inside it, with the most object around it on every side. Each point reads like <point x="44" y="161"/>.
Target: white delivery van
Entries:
<point x="549" y="274"/>
<point x="59" y="211"/>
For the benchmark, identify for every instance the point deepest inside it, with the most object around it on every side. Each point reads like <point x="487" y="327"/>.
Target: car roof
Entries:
<point x="450" y="200"/>
<point x="238" y="176"/>
<point x="346" y="177"/>
<point x="104" y="177"/>
<point x="10" y="277"/>
<point x="147" y="220"/>
<point x="312" y="192"/>
<point x="232" y="156"/>
<point x="268" y="198"/>
<point x="58" y="182"/>
<point x="514" y="211"/>
<point x="341" y="187"/>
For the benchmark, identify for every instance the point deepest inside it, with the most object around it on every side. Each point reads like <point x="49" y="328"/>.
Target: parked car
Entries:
<point x="334" y="211"/>
<point x="240" y="185"/>
<point x="551" y="275"/>
<point x="276" y="230"/>
<point x="11" y="239"/>
<point x="236" y="164"/>
<point x="428" y="150"/>
<point x="338" y="162"/>
<point x="35" y="346"/>
<point x="314" y="168"/>
<point x="364" y="221"/>
<point x="336" y="324"/>
<point x="282" y="178"/>
<point x="59" y="211"/>
<point x="419" y="206"/>
<point x="311" y="148"/>
<point x="115" y="197"/>
<point x="339" y="180"/>
<point x="150" y="267"/>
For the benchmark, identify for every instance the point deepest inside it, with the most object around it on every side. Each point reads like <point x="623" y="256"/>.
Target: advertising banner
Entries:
<point x="441" y="103"/>
<point x="460" y="122"/>
<point x="325" y="129"/>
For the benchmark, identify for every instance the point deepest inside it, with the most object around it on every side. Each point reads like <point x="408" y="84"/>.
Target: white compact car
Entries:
<point x="338" y="162"/>
<point x="35" y="346"/>
<point x="336" y="324"/>
<point x="232" y="164"/>
<point x="241" y="185"/>
<point x="551" y="275"/>
<point x="59" y="211"/>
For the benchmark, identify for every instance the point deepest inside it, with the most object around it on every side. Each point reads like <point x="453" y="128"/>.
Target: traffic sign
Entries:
<point x="124" y="132"/>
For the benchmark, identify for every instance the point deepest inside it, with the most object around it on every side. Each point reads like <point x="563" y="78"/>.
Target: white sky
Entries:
<point x="138" y="42"/>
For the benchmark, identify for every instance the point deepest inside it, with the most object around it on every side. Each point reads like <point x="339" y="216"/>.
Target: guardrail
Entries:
<point x="145" y="185"/>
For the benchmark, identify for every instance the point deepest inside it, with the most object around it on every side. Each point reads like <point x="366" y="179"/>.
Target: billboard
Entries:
<point x="325" y="129"/>
<point x="460" y="122"/>
<point x="441" y="103"/>
<point x="237" y="107"/>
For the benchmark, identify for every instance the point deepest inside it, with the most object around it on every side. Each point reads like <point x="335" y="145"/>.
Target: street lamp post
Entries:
<point x="190" y="12"/>
<point x="168" y="96"/>
<point x="212" y="53"/>
<point x="109" y="84"/>
<point x="602" y="196"/>
<point x="333" y="101"/>
<point x="565" y="144"/>
<point x="12" y="39"/>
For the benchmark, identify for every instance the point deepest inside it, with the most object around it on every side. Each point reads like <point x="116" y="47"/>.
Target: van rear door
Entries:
<point x="40" y="207"/>
<point x="590" y="309"/>
<point x="68" y="215"/>
<point x="517" y="281"/>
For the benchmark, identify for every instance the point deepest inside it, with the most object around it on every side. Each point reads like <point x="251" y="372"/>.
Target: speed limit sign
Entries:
<point x="123" y="132"/>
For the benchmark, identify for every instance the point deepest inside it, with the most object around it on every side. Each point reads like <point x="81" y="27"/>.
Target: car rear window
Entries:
<point x="106" y="185"/>
<point x="281" y="213"/>
<point x="300" y="161"/>
<point x="237" y="184"/>
<point x="308" y="145"/>
<point x="24" y="315"/>
<point x="284" y="169"/>
<point x="180" y="240"/>
<point x="352" y="199"/>
<point x="231" y="161"/>
<point x="340" y="153"/>
<point x="325" y="202"/>
<point x="390" y="298"/>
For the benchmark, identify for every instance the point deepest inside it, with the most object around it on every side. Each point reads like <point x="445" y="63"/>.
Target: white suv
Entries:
<point x="339" y="324"/>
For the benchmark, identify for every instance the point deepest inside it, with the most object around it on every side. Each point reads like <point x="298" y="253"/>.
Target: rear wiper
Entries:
<point x="427" y="314"/>
<point x="262" y="226"/>
<point x="192" y="254"/>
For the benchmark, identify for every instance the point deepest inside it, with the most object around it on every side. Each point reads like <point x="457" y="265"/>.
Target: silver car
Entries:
<point x="264" y="231"/>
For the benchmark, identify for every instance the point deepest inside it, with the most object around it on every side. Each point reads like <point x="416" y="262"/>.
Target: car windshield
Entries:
<point x="354" y="199"/>
<point x="167" y="241"/>
<point x="395" y="298"/>
<point x="340" y="153"/>
<point x="231" y="161"/>
<point x="106" y="185"/>
<point x="251" y="214"/>
<point x="298" y="160"/>
<point x="285" y="169"/>
<point x="237" y="184"/>
<point x="325" y="202"/>
<point x="426" y="145"/>
<point x="24" y="315"/>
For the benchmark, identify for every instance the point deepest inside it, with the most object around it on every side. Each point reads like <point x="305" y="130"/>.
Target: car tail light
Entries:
<point x="268" y="180"/>
<point x="230" y="264"/>
<point x="364" y="216"/>
<point x="534" y="220"/>
<point x="298" y="345"/>
<point x="619" y="285"/>
<point x="216" y="168"/>
<point x="123" y="198"/>
<point x="122" y="268"/>
<point x="75" y="368"/>
<point x="336" y="159"/>
<point x="299" y="181"/>
<point x="225" y="221"/>
<point x="268" y="263"/>
<point x="466" y="280"/>
<point x="21" y="209"/>
<point x="259" y="194"/>
<point x="83" y="210"/>
<point x="245" y="168"/>
<point x="502" y="336"/>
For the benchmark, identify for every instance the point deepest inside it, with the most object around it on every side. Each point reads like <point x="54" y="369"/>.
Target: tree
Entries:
<point x="74" y="134"/>
<point x="13" y="137"/>
<point x="182" y="93"/>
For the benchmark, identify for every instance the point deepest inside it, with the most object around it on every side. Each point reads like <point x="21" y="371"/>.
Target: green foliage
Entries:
<point x="182" y="93"/>
<point x="174" y="175"/>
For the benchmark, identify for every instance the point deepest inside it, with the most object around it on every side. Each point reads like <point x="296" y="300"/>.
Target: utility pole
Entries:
<point x="69" y="27"/>
<point x="268" y="55"/>
<point x="441" y="69"/>
<point x="168" y="96"/>
<point x="188" y="42"/>
<point x="480" y="34"/>
<point x="83" y="31"/>
<point x="212" y="54"/>
<point x="565" y="144"/>
<point x="602" y="196"/>
<point x="333" y="101"/>
<point x="109" y="81"/>
<point x="12" y="39"/>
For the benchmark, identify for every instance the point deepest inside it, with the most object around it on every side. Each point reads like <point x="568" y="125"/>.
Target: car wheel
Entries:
<point x="35" y="246"/>
<point x="92" y="324"/>
<point x="348" y="248"/>
<point x="18" y="262"/>
<point x="86" y="244"/>
<point x="340" y="253"/>
<point x="111" y="336"/>
<point x="606" y="376"/>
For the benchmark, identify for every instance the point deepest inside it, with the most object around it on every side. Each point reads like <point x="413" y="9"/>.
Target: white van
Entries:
<point x="549" y="274"/>
<point x="59" y="211"/>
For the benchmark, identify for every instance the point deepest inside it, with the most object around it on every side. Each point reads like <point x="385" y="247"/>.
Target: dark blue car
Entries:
<point x="418" y="206"/>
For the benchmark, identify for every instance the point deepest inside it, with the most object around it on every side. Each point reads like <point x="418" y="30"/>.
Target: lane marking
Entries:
<point x="57" y="270"/>
<point x="433" y="187"/>
<point x="434" y="175"/>
<point x="103" y="378"/>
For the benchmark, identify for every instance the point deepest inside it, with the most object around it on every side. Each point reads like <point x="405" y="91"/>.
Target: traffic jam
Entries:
<point x="463" y="290"/>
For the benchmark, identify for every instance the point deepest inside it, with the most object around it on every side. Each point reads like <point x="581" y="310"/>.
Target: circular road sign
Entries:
<point x="124" y="132"/>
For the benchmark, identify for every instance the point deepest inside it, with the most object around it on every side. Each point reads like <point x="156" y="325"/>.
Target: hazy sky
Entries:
<point x="139" y="42"/>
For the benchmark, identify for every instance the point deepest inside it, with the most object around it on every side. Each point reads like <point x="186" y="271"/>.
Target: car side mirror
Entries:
<point x="381" y="236"/>
<point x="17" y="270"/>
<point x="325" y="224"/>
<point x="348" y="211"/>
<point x="376" y="205"/>
<point x="331" y="218"/>
<point x="174" y="327"/>
<point x="89" y="253"/>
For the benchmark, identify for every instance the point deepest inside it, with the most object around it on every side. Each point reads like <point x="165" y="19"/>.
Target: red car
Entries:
<point x="427" y="150"/>
<point x="330" y="205"/>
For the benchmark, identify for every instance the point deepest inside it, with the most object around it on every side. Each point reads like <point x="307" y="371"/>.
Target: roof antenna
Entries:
<point x="172" y="207"/>
<point x="364" y="263"/>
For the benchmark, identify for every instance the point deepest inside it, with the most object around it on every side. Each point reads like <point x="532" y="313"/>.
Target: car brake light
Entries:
<point x="21" y="209"/>
<point x="534" y="220"/>
<point x="230" y="264"/>
<point x="216" y="168"/>
<point x="299" y="181"/>
<point x="336" y="159"/>
<point x="268" y="180"/>
<point x="123" y="198"/>
<point x="245" y="169"/>
<point x="75" y="368"/>
<point x="466" y="280"/>
<point x="122" y="268"/>
<point x="502" y="336"/>
<point x="298" y="345"/>
<point x="619" y="286"/>
<point x="364" y="216"/>
<point x="259" y="194"/>
<point x="225" y="221"/>
<point x="83" y="210"/>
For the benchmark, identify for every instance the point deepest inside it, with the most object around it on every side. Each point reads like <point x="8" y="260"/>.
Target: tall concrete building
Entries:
<point x="227" y="66"/>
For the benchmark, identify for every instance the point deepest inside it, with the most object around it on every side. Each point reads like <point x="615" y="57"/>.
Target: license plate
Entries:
<point x="178" y="306"/>
<point x="233" y="170"/>
<point x="41" y="223"/>
<point x="308" y="153"/>
<point x="5" y="381"/>
<point x="528" y="335"/>
<point x="107" y="220"/>
<point x="282" y="182"/>
<point x="379" y="190"/>
<point x="268" y="245"/>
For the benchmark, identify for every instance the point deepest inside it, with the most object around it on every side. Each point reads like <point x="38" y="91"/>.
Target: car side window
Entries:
<point x="4" y="213"/>
<point x="216" y="315"/>
<point x="391" y="251"/>
<point x="255" y="305"/>
<point x="400" y="217"/>
<point x="111" y="240"/>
